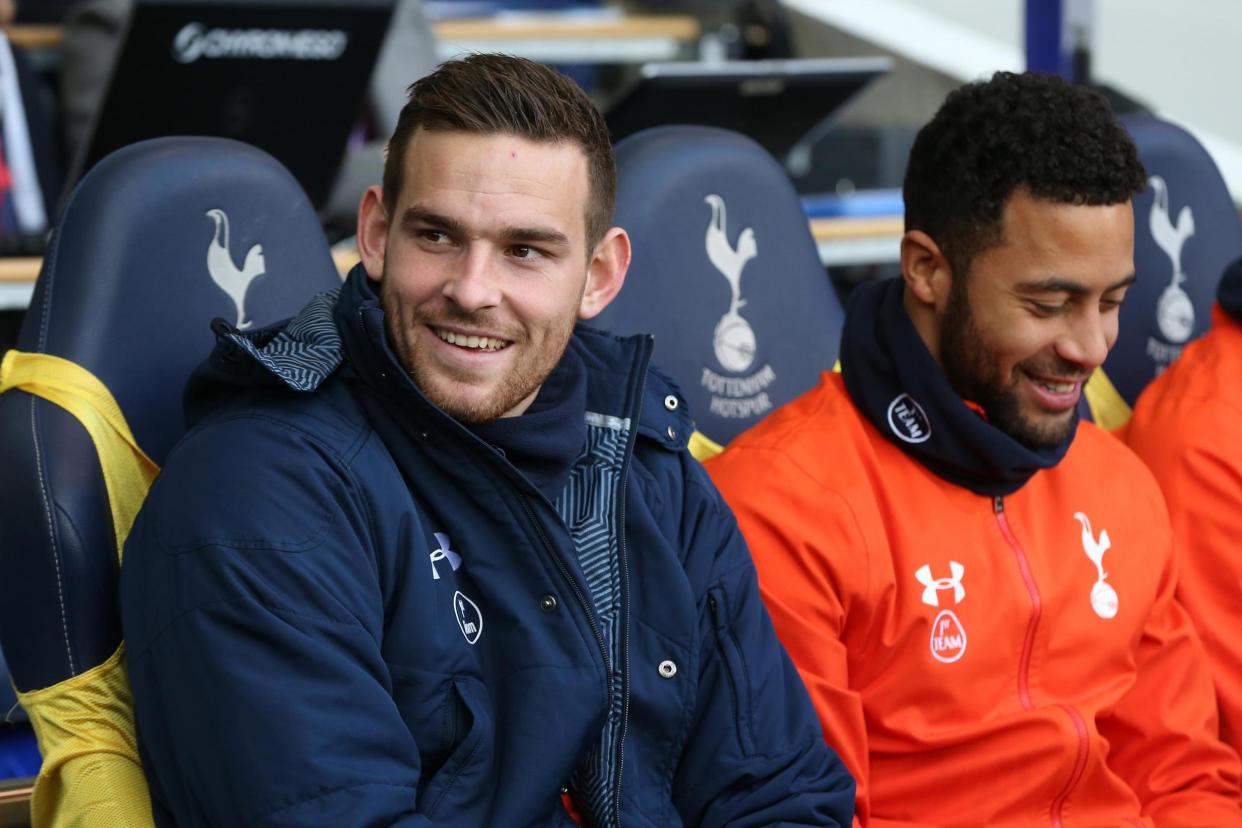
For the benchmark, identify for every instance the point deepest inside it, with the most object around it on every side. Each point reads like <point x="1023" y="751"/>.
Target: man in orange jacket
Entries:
<point x="1187" y="425"/>
<point x="977" y="588"/>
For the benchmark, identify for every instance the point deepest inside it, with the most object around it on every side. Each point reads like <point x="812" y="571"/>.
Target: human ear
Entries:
<point x="605" y="272"/>
<point x="925" y="270"/>
<point x="372" y="232"/>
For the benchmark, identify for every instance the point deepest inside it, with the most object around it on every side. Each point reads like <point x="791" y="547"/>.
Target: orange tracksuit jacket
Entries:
<point x="975" y="660"/>
<point x="1187" y="426"/>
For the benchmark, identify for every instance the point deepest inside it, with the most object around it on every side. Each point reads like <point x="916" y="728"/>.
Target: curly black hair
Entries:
<point x="988" y="139"/>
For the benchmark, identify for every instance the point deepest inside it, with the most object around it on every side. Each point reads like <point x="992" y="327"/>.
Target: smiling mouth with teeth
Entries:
<point x="477" y="343"/>
<point x="1056" y="387"/>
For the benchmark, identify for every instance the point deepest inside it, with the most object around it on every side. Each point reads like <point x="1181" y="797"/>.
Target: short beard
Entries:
<point x="965" y="359"/>
<point x="519" y="384"/>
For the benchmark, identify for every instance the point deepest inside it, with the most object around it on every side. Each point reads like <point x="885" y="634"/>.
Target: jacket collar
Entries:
<point x="343" y="331"/>
<point x="619" y="379"/>
<point x="614" y="365"/>
<point x="899" y="386"/>
<point x="550" y="435"/>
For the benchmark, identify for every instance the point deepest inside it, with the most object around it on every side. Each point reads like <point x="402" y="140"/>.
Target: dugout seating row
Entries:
<point x="166" y="235"/>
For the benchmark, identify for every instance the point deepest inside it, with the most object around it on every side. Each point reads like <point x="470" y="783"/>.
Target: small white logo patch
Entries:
<point x="948" y="638"/>
<point x="908" y="420"/>
<point x="931" y="585"/>
<point x="468" y="617"/>
<point x="233" y="280"/>
<point x="443" y="553"/>
<point x="1103" y="597"/>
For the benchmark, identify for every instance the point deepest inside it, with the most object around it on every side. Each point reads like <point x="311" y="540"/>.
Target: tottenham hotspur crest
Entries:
<point x="734" y="340"/>
<point x="1175" y="313"/>
<point x="1103" y="597"/>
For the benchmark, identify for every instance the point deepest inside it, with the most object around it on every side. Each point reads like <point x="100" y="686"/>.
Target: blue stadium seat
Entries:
<point x="158" y="239"/>
<point x="19" y="757"/>
<point x="1187" y="231"/>
<point x="725" y="274"/>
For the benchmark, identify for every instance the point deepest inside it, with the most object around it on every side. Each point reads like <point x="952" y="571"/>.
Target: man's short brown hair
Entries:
<point x="499" y="94"/>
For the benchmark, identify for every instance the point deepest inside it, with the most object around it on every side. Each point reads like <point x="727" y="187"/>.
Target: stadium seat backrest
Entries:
<point x="725" y="274"/>
<point x="1186" y="231"/>
<point x="158" y="239"/>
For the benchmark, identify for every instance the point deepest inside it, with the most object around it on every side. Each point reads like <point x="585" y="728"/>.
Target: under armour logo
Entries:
<point x="931" y="585"/>
<point x="443" y="553"/>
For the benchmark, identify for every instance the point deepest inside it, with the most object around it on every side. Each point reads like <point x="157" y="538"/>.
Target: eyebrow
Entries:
<point x="1057" y="284"/>
<point x="415" y="216"/>
<point x="541" y="235"/>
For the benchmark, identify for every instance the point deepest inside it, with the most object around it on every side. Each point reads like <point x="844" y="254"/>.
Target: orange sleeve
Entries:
<point x="1163" y="733"/>
<point x="812" y="565"/>
<point x="1194" y="448"/>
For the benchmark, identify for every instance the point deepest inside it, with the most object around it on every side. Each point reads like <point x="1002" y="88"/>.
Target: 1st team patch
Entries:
<point x="948" y="637"/>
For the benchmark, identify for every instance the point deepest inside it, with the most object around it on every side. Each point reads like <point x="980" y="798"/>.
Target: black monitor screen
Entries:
<point x="288" y="76"/>
<point x="775" y="102"/>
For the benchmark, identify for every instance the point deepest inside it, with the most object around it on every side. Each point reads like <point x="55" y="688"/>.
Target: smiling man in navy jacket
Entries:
<point x="432" y="554"/>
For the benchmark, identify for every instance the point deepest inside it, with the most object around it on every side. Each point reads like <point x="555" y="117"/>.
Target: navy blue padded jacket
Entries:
<point x="342" y="608"/>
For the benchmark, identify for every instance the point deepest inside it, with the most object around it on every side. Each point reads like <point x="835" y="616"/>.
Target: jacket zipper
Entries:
<point x="625" y="635"/>
<point x="1080" y="763"/>
<point x="636" y="392"/>
<point x="729" y="653"/>
<point x="1024" y="665"/>
<point x="1032" y="591"/>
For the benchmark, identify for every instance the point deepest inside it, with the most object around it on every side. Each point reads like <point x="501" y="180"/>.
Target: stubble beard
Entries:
<point x="437" y="384"/>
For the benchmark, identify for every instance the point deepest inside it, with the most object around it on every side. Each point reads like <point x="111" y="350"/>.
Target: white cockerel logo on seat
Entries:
<point x="1175" y="313"/>
<point x="1103" y="596"/>
<point x="733" y="339"/>
<point x="224" y="273"/>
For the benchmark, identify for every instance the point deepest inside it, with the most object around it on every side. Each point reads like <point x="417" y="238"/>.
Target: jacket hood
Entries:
<point x="297" y="353"/>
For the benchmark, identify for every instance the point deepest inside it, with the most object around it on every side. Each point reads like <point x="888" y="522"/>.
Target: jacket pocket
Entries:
<point x="730" y="653"/>
<point x="470" y="729"/>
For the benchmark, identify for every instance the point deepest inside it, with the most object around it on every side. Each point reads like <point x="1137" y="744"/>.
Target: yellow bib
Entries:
<point x="91" y="775"/>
